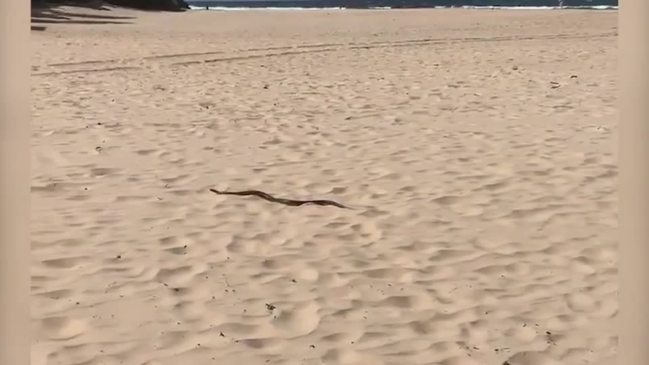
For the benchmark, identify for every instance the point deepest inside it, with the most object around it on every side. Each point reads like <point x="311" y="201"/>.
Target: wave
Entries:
<point x="240" y="8"/>
<point x="288" y="8"/>
<point x="585" y="7"/>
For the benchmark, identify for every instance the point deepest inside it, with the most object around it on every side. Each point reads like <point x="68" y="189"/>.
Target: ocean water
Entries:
<point x="398" y="4"/>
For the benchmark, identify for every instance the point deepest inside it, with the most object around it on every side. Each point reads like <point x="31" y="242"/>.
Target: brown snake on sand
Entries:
<point x="270" y="198"/>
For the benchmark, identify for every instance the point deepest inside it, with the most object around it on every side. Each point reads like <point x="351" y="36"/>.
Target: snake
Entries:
<point x="289" y="202"/>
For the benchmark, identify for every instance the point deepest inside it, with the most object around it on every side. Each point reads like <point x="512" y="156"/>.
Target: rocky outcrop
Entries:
<point x="162" y="5"/>
<point x="166" y="5"/>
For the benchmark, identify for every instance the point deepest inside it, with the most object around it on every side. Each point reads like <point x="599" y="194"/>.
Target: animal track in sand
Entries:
<point x="290" y="51"/>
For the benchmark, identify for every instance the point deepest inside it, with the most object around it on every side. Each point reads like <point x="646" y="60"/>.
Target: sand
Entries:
<point x="477" y="148"/>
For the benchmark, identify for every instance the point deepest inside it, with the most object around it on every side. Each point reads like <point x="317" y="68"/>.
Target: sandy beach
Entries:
<point x="476" y="148"/>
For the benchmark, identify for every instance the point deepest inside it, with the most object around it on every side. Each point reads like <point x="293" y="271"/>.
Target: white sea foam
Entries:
<point x="237" y="8"/>
<point x="595" y="7"/>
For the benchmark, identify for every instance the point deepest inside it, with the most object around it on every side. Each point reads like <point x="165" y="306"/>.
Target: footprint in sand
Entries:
<point x="349" y="357"/>
<point x="460" y="360"/>
<point x="530" y="358"/>
<point x="65" y="262"/>
<point x="61" y="328"/>
<point x="298" y="321"/>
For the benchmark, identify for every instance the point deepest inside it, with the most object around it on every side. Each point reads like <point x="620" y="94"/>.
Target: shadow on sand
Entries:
<point x="50" y="13"/>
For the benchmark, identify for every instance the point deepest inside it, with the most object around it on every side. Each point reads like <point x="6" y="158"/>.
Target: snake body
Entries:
<point x="290" y="202"/>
